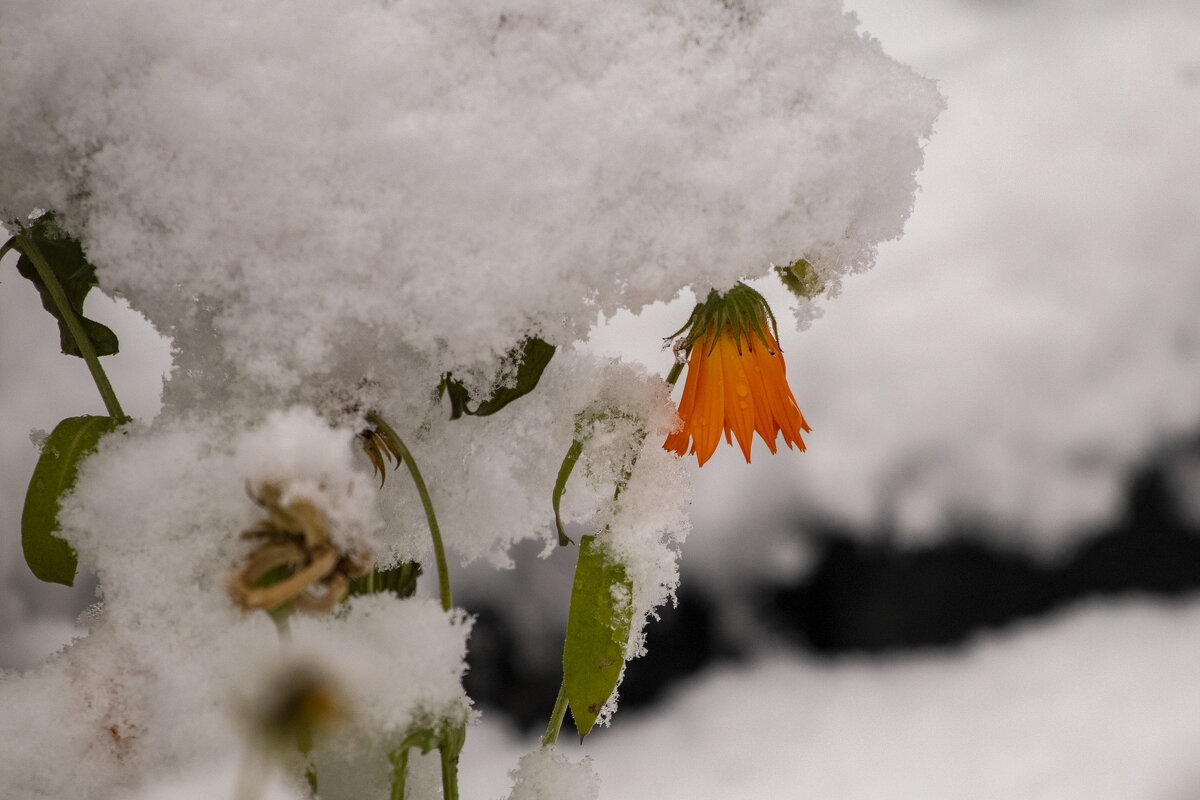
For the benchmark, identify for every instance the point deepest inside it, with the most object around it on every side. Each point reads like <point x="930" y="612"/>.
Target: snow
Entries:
<point x="1092" y="703"/>
<point x="547" y="774"/>
<point x="311" y="227"/>
<point x="223" y="178"/>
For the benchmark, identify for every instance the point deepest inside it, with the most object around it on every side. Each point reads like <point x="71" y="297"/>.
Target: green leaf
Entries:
<point x="65" y="257"/>
<point x="597" y="632"/>
<point x="50" y="557"/>
<point x="560" y="486"/>
<point x="531" y="360"/>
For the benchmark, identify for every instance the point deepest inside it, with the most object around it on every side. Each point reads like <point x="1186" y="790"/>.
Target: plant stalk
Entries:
<point x="28" y="247"/>
<point x="556" y="717"/>
<point x="399" y="759"/>
<point x="560" y="703"/>
<point x="439" y="550"/>
<point x="449" y="773"/>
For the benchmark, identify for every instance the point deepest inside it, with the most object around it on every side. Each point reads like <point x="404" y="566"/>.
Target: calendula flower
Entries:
<point x="736" y="380"/>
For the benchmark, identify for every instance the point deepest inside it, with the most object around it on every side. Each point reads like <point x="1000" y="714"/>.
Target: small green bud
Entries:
<point x="801" y="279"/>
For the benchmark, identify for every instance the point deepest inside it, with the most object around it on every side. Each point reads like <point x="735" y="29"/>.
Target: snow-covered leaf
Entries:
<point x="531" y="362"/>
<point x="597" y="631"/>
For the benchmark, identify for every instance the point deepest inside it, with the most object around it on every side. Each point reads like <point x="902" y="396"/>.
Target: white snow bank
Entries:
<point x="1094" y="703"/>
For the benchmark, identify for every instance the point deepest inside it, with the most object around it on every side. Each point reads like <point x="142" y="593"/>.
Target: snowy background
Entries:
<point x="1000" y="375"/>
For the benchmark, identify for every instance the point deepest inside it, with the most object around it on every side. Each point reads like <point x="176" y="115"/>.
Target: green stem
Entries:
<point x="281" y="616"/>
<point x="673" y="375"/>
<point x="439" y="550"/>
<point x="449" y="773"/>
<point x="556" y="717"/>
<point x="28" y="246"/>
<point x="560" y="704"/>
<point x="399" y="760"/>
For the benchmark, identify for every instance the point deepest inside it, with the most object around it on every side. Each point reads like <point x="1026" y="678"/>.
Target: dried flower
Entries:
<point x="298" y="698"/>
<point x="379" y="449"/>
<point x="296" y="562"/>
<point x="736" y="378"/>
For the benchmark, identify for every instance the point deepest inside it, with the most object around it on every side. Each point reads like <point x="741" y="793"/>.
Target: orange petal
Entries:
<point x="708" y="416"/>
<point x="739" y="405"/>
<point x="758" y="391"/>
<point x="785" y="413"/>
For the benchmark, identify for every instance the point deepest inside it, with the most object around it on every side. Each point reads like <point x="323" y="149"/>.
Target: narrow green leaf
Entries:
<point x="560" y="486"/>
<point x="66" y="259"/>
<point x="535" y="355"/>
<point x="50" y="557"/>
<point x="597" y="632"/>
<point x="531" y="360"/>
<point x="459" y="397"/>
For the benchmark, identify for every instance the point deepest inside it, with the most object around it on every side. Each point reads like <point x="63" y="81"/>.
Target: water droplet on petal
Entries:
<point x="742" y="388"/>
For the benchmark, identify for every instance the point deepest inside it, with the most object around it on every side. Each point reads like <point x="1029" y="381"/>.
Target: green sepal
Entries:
<point x="50" y="557"/>
<point x="598" y="626"/>
<point x="401" y="580"/>
<point x="801" y="279"/>
<point x="742" y="310"/>
<point x="531" y="356"/>
<point x="448" y="736"/>
<point x="77" y="277"/>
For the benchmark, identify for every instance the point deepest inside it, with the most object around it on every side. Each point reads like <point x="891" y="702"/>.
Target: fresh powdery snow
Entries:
<point x="326" y="207"/>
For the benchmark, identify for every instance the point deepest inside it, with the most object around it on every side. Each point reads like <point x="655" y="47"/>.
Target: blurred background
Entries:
<point x="980" y="580"/>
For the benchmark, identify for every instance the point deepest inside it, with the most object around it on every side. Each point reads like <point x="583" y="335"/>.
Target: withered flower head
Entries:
<point x="296" y="562"/>
<point x="299" y="699"/>
<point x="379" y="449"/>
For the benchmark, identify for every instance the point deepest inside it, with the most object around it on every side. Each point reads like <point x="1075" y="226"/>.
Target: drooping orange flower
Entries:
<point x="736" y="379"/>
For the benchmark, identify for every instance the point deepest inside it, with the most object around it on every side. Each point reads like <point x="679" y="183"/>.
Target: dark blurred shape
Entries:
<point x="874" y="597"/>
<point x="499" y="678"/>
<point x="681" y="642"/>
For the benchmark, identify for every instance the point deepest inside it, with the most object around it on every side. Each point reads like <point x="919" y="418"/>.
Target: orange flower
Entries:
<point x="736" y="379"/>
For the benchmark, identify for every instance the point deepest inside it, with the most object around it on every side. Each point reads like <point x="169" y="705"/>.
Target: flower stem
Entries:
<point x="399" y="759"/>
<point x="560" y="703"/>
<point x="449" y="773"/>
<point x="556" y="717"/>
<point x="27" y="246"/>
<point x="673" y="375"/>
<point x="439" y="550"/>
<point x="281" y="616"/>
